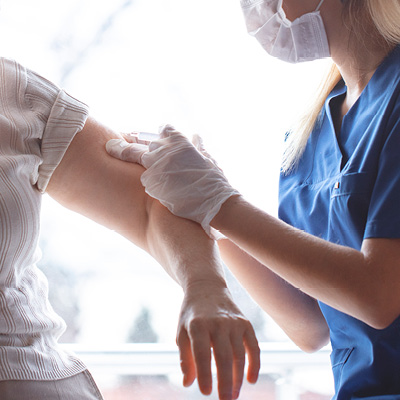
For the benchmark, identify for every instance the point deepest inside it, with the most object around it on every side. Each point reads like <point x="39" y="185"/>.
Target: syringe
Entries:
<point x="144" y="137"/>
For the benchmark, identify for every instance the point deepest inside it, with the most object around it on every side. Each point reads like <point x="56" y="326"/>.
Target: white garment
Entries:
<point x="37" y="123"/>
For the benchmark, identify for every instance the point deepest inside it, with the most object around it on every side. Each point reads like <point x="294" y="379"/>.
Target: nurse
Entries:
<point x="329" y="267"/>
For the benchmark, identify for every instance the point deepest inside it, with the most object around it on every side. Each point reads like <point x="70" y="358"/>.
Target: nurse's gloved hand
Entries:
<point x="180" y="175"/>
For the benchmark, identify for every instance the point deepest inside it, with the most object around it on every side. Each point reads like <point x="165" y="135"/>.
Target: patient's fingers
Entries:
<point x="186" y="356"/>
<point x="253" y="353"/>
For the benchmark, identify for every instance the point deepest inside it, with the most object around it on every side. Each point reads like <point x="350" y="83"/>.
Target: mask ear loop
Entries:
<point x="319" y="5"/>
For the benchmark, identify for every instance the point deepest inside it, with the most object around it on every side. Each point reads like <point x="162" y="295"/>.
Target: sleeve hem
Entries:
<point x="383" y="229"/>
<point x="67" y="118"/>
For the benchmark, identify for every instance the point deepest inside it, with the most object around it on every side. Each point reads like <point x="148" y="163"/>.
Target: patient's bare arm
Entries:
<point x="109" y="192"/>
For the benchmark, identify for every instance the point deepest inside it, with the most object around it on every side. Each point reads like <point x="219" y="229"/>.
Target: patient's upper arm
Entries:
<point x="105" y="189"/>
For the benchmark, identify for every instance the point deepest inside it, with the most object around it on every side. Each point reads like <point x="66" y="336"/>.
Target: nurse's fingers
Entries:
<point x="199" y="144"/>
<point x="121" y="149"/>
<point x="167" y="131"/>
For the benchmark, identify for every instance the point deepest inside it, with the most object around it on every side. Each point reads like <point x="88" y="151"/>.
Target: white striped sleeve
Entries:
<point x="67" y="117"/>
<point x="63" y="116"/>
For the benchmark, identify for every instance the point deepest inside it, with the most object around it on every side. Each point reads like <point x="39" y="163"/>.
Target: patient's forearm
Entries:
<point x="184" y="250"/>
<point x="109" y="192"/>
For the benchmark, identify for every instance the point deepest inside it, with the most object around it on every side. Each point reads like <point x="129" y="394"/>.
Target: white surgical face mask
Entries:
<point x="301" y="40"/>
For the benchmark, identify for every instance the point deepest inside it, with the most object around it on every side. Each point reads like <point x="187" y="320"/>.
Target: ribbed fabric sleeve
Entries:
<point x="63" y="117"/>
<point x="38" y="121"/>
<point x="67" y="117"/>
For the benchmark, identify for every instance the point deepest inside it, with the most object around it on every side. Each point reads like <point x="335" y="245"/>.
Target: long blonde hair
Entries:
<point x="385" y="16"/>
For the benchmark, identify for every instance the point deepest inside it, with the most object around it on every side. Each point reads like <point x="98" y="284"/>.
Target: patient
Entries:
<point x="48" y="143"/>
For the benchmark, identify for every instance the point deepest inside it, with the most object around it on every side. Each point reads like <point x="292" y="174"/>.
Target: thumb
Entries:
<point x="131" y="152"/>
<point x="198" y="142"/>
<point x="167" y="131"/>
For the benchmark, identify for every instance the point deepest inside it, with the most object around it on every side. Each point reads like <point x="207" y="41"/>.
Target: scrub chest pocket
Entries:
<point x="349" y="205"/>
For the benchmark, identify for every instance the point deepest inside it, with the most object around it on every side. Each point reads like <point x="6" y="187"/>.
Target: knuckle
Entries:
<point x="197" y="325"/>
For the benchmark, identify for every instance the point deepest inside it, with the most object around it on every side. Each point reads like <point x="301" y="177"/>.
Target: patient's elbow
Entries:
<point x="313" y="343"/>
<point x="313" y="347"/>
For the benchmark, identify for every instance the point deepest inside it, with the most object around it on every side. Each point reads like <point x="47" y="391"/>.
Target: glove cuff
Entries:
<point x="216" y="234"/>
<point x="213" y="210"/>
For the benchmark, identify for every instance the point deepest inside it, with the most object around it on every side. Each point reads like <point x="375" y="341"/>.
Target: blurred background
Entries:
<point x="139" y="64"/>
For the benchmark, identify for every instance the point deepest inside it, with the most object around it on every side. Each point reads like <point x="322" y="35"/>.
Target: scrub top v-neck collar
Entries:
<point x="342" y="167"/>
<point x="345" y="143"/>
<point x="336" y="131"/>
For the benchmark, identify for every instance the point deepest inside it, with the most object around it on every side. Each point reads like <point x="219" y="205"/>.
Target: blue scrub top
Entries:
<point x="345" y="189"/>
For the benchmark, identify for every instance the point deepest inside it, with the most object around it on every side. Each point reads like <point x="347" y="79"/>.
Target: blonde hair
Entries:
<point x="385" y="16"/>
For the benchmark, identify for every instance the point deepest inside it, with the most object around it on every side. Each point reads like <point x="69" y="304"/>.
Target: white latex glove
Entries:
<point x="181" y="176"/>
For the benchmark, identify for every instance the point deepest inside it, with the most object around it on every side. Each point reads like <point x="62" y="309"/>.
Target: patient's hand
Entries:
<point x="210" y="319"/>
